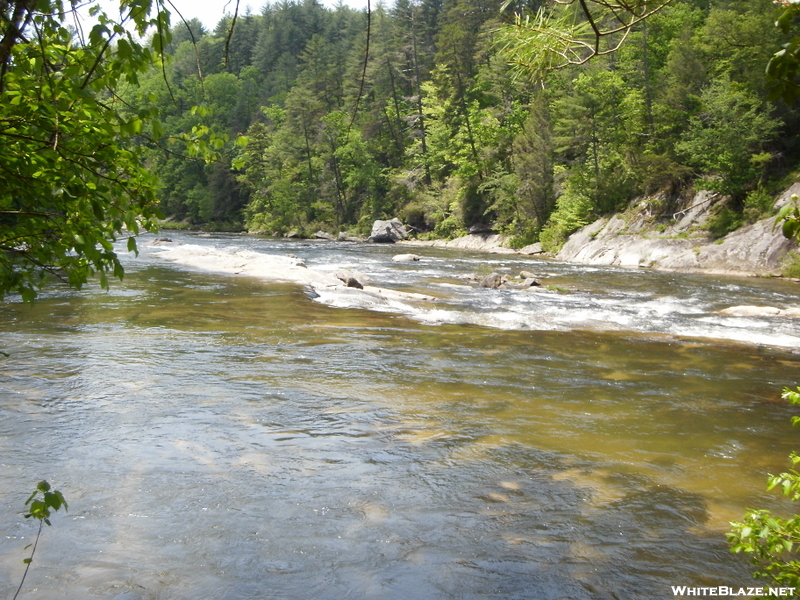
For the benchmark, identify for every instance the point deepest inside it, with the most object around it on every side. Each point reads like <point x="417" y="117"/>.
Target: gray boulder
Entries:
<point x="388" y="232"/>
<point x="321" y="235"/>
<point x="349" y="279"/>
<point x="492" y="281"/>
<point x="532" y="249"/>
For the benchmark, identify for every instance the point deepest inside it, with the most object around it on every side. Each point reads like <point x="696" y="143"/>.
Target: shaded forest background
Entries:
<point x="437" y="129"/>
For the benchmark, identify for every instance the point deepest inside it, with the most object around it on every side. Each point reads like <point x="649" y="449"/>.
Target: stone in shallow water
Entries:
<point x="492" y="280"/>
<point x="405" y="258"/>
<point x="349" y="279"/>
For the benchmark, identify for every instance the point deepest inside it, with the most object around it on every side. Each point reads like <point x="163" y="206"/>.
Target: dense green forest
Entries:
<point x="445" y="113"/>
<point x="435" y="126"/>
<point x="414" y="111"/>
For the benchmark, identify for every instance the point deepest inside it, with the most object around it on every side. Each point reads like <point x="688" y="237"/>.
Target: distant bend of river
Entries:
<point x="232" y="438"/>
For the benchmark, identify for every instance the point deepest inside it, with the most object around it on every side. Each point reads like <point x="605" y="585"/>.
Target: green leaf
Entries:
<point x="790" y="228"/>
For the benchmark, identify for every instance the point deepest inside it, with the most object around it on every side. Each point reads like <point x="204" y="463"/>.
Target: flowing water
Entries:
<point x="221" y="437"/>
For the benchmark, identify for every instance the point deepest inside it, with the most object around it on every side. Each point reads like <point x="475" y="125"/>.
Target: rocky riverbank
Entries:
<point x="680" y="241"/>
<point x="674" y="240"/>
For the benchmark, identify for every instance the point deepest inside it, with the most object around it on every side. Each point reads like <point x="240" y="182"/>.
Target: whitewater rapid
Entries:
<point x="433" y="290"/>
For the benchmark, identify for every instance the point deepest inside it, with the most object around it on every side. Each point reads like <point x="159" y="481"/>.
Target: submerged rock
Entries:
<point x="760" y="311"/>
<point x="523" y="285"/>
<point x="343" y="237"/>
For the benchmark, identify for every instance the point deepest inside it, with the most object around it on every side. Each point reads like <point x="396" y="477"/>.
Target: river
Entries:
<point x="226" y="437"/>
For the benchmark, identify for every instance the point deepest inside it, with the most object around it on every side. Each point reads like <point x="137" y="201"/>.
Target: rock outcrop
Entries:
<point x="637" y="239"/>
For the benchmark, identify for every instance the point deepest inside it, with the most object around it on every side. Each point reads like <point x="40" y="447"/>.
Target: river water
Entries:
<point x="226" y="437"/>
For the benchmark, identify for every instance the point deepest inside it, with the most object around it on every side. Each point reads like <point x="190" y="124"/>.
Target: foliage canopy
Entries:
<point x="417" y="110"/>
<point x="773" y="542"/>
<point x="72" y="179"/>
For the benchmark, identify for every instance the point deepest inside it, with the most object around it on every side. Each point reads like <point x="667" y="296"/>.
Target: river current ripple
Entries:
<point x="571" y="297"/>
<point x="226" y="437"/>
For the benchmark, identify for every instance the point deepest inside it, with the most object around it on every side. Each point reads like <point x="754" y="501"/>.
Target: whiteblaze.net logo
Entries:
<point x="685" y="591"/>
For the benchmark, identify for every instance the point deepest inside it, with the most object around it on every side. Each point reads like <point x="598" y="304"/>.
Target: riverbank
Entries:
<point x="677" y="239"/>
<point x="680" y="241"/>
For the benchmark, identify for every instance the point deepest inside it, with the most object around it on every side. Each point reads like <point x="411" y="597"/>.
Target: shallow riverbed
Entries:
<point x="232" y="438"/>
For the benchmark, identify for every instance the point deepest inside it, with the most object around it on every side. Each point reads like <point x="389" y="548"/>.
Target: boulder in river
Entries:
<point x="405" y="258"/>
<point x="321" y="235"/>
<point x="532" y="249"/>
<point x="492" y="281"/>
<point x="388" y="232"/>
<point x="349" y="279"/>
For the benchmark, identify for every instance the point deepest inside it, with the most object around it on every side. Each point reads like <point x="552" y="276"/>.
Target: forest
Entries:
<point x="330" y="118"/>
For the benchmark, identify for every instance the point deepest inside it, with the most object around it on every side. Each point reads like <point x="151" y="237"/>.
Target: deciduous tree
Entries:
<point x="72" y="182"/>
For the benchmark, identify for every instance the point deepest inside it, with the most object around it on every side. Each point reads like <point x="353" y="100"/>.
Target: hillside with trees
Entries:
<point x="446" y="114"/>
<point x="416" y="111"/>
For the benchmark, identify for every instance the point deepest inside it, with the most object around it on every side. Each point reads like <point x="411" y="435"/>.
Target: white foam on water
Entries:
<point x="535" y="308"/>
